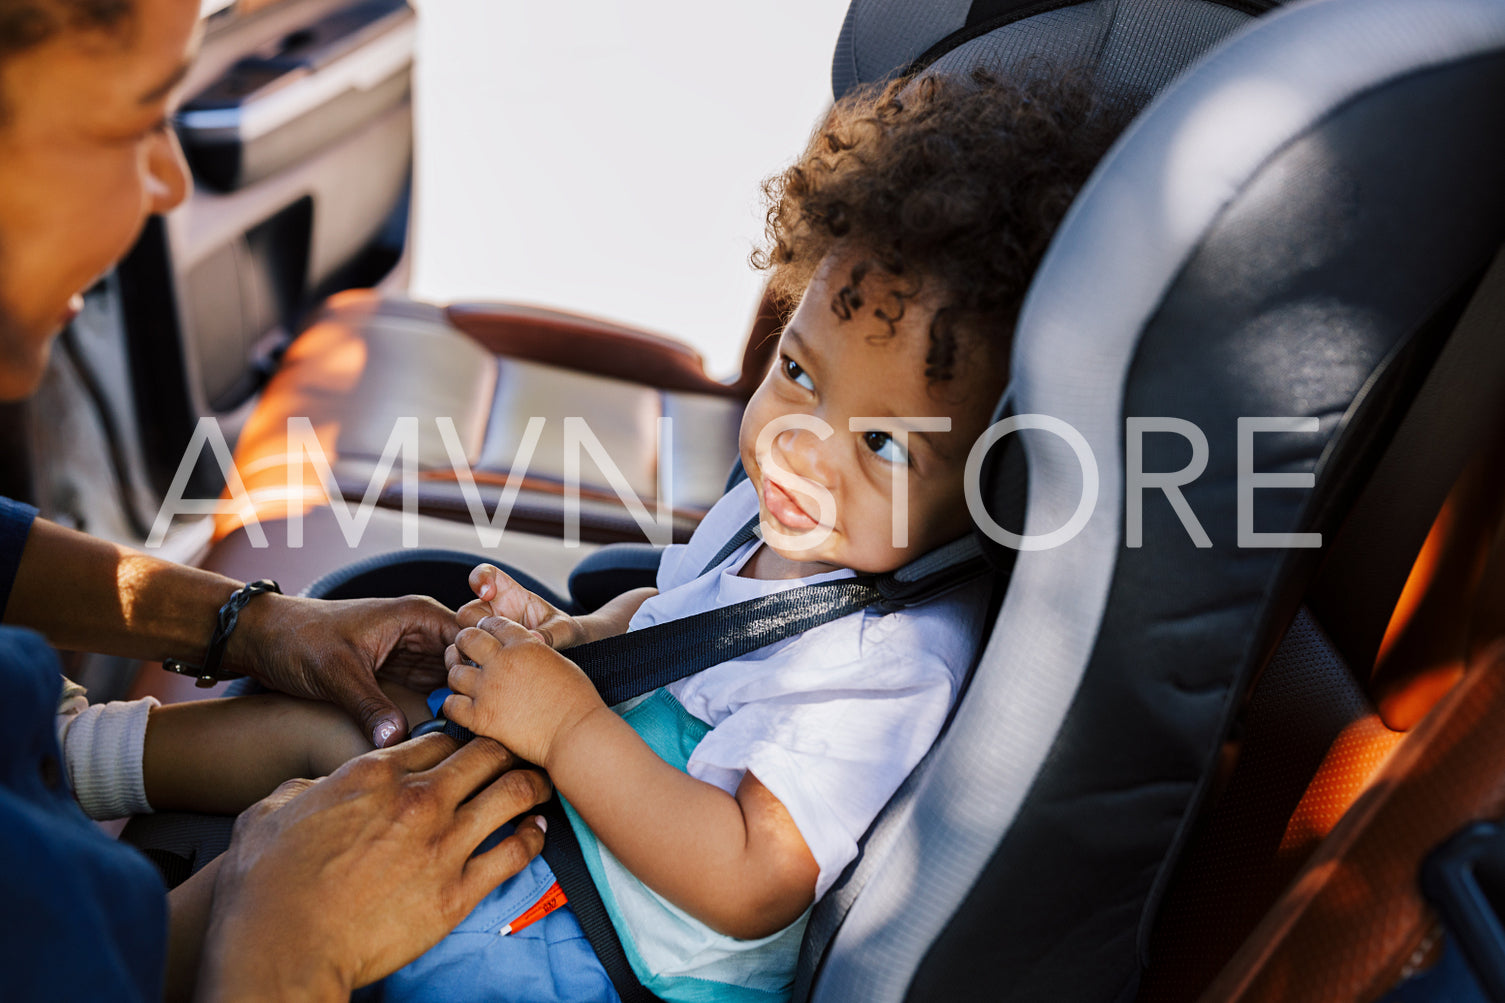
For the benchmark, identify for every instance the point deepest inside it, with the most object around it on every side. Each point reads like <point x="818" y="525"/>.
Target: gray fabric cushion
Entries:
<point x="881" y="37"/>
<point x="1133" y="47"/>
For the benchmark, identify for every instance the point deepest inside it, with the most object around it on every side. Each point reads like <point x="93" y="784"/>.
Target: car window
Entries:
<point x="605" y="157"/>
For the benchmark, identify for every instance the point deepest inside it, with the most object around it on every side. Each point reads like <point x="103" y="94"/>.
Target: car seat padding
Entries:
<point x="1199" y="259"/>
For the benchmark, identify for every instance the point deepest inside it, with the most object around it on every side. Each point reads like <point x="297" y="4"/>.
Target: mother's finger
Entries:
<point x="416" y="754"/>
<point x="484" y="871"/>
<point x="506" y="797"/>
<point x="474" y="765"/>
<point x="284" y="793"/>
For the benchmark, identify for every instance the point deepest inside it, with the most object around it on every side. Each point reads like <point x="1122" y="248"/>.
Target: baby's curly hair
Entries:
<point x="950" y="186"/>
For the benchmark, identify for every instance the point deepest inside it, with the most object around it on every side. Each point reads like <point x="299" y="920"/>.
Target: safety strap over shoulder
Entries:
<point x="921" y="580"/>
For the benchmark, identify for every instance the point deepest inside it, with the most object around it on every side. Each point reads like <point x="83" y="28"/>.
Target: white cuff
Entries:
<point x="102" y="748"/>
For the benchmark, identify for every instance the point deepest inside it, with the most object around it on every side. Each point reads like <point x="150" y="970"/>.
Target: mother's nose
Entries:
<point x="167" y="176"/>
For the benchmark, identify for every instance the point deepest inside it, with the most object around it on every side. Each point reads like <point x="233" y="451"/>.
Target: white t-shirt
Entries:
<point x="830" y="721"/>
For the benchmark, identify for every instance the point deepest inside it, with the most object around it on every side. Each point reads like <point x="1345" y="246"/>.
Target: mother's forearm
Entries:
<point x="87" y="594"/>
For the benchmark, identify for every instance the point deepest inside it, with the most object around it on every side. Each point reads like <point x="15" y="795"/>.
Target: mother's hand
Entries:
<point x="335" y="650"/>
<point x="330" y="885"/>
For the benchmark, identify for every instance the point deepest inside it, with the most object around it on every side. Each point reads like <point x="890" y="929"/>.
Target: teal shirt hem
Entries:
<point x="672" y="732"/>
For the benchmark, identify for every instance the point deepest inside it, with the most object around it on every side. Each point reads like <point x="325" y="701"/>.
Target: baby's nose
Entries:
<point x="803" y="452"/>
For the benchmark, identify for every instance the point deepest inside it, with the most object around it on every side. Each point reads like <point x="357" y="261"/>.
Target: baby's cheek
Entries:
<point x="867" y="535"/>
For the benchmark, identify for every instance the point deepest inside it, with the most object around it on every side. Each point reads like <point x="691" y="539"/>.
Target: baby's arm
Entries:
<point x="737" y="863"/>
<point x="497" y="594"/>
<point x="225" y="755"/>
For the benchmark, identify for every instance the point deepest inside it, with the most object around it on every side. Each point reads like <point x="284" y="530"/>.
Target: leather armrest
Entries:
<point x="587" y="345"/>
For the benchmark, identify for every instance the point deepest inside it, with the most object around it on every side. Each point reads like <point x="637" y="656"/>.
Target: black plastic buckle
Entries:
<point x="444" y="725"/>
<point x="1464" y="879"/>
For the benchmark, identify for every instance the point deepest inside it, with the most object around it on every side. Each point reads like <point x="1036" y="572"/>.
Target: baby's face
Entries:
<point x="830" y="502"/>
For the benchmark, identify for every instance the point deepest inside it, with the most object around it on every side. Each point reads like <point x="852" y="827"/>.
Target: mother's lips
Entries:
<point x="782" y="506"/>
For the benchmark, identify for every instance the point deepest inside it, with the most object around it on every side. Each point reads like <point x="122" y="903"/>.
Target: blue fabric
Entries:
<point x="15" y="524"/>
<point x="550" y="959"/>
<point x="88" y="915"/>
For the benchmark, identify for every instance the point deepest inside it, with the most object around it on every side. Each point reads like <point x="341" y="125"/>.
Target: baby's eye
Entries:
<point x="887" y="447"/>
<point x="794" y="372"/>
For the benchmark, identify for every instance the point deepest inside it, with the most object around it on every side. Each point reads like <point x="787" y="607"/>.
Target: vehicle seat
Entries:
<point x="1291" y="230"/>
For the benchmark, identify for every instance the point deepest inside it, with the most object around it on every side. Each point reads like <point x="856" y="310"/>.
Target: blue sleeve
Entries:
<point x="15" y="524"/>
<point x="86" y="917"/>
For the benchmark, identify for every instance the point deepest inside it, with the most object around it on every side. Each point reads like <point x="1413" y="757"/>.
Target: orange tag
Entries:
<point x="552" y="899"/>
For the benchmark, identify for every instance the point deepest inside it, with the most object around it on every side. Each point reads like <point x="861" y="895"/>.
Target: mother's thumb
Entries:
<point x="378" y="717"/>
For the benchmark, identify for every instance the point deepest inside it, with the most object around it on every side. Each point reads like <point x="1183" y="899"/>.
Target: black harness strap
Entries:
<point x="629" y="665"/>
<point x="746" y="534"/>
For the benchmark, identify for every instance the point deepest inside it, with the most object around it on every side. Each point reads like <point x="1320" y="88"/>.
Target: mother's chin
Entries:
<point x="23" y="357"/>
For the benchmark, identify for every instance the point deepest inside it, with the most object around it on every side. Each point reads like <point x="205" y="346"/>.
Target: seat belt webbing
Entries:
<point x="641" y="661"/>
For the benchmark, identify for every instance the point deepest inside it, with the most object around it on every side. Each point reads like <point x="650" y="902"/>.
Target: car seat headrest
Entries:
<point x="1262" y="271"/>
<point x="1131" y="48"/>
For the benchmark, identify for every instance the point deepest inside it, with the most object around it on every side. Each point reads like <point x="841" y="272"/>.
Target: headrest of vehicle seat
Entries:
<point x="1133" y="48"/>
<point x="1259" y="275"/>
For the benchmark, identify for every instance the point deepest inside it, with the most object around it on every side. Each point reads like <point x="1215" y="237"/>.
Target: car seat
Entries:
<point x="1291" y="231"/>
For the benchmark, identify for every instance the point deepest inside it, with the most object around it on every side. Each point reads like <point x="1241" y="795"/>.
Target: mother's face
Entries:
<point x="86" y="154"/>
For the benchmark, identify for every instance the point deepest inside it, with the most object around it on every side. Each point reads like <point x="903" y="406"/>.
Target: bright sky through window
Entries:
<point x="604" y="157"/>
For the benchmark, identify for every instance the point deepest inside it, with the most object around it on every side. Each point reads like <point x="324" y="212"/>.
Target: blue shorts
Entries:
<point x="548" y="960"/>
<point x="545" y="961"/>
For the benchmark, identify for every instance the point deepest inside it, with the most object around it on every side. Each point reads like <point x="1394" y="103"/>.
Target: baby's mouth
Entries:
<point x="782" y="506"/>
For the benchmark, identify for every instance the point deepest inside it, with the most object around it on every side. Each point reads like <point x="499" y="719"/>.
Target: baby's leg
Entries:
<point x="224" y="755"/>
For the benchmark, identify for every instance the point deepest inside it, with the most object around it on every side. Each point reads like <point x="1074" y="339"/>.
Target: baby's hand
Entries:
<point x="498" y="595"/>
<point x="519" y="691"/>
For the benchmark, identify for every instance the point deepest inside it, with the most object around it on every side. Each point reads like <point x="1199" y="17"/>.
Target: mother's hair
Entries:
<point x="25" y="23"/>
